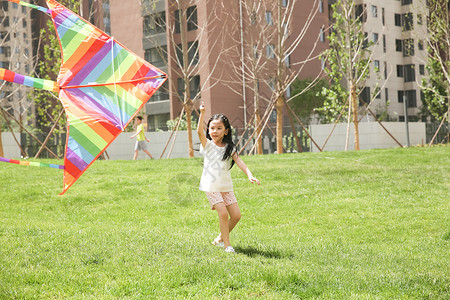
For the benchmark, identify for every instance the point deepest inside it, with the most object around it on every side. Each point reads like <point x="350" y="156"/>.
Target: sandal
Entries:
<point x="217" y="242"/>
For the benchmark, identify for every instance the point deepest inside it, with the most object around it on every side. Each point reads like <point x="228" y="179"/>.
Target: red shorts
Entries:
<point x="221" y="197"/>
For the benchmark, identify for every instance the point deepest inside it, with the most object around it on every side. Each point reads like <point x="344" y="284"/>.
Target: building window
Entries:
<point x="386" y="94"/>
<point x="155" y="23"/>
<point x="5" y="50"/>
<point x="398" y="45"/>
<point x="192" y="18"/>
<point x="5" y="5"/>
<point x="407" y="20"/>
<point x="15" y="5"/>
<point x="360" y="12"/>
<point x="374" y="11"/>
<point x="384" y="43"/>
<point x="364" y="96"/>
<point x="269" y="20"/>
<point x="288" y="61"/>
<point x="385" y="70"/>
<point x="162" y="93"/>
<point x="420" y="45"/>
<point x="194" y="86"/>
<point x="411" y="98"/>
<point x="399" y="71"/>
<point x="376" y="65"/>
<point x="400" y="95"/>
<point x="322" y="35"/>
<point x="406" y="2"/>
<point x="408" y="47"/>
<point x="409" y="73"/>
<point x="193" y="53"/>
<point x="375" y="37"/>
<point x="4" y="36"/>
<point x="422" y="69"/>
<point x="157" y="56"/>
<point x="382" y="16"/>
<point x="158" y="122"/>
<point x="419" y="19"/>
<point x="177" y="21"/>
<point x="270" y="51"/>
<point x="398" y="19"/>
<point x="285" y="3"/>
<point x="321" y="6"/>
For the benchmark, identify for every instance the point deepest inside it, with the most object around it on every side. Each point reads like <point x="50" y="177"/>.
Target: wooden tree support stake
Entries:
<point x="437" y="131"/>
<point x="27" y="131"/>
<point x="25" y="154"/>
<point x="49" y="134"/>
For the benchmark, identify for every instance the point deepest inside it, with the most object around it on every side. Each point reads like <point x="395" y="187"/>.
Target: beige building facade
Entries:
<point x="398" y="31"/>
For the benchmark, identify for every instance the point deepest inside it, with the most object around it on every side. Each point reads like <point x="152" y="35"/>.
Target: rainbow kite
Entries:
<point x="101" y="84"/>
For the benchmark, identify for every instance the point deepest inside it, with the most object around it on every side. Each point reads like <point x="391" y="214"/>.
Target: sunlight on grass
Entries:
<point x="346" y="225"/>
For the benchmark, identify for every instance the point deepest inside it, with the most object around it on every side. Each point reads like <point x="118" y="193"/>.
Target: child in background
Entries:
<point x="220" y="156"/>
<point x="141" y="139"/>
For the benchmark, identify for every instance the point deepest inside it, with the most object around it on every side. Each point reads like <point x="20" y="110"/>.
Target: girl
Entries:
<point x="220" y="155"/>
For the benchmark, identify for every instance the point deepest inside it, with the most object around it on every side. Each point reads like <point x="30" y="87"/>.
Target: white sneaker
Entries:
<point x="229" y="249"/>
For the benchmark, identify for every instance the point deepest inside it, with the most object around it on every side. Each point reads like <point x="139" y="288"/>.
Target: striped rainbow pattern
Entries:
<point x="28" y="81"/>
<point x="103" y="86"/>
<point x="30" y="163"/>
<point x="43" y="9"/>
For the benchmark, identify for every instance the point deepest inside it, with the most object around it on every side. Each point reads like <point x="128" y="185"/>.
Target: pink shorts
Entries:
<point x="217" y="197"/>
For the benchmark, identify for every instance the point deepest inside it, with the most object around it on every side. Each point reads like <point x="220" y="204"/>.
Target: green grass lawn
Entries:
<point x="336" y="225"/>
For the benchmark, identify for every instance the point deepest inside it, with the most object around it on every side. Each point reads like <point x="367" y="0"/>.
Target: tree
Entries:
<point x="348" y="60"/>
<point x="437" y="89"/>
<point x="273" y="33"/>
<point x="182" y="53"/>
<point x="307" y="99"/>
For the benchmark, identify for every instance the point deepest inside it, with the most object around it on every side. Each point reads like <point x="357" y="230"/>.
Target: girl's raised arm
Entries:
<point x="200" y="130"/>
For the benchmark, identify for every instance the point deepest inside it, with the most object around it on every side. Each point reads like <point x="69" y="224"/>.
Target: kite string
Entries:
<point x="43" y="9"/>
<point x="31" y="163"/>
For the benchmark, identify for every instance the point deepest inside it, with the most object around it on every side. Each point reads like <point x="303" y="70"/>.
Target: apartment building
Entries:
<point x="214" y="30"/>
<point x="398" y="30"/>
<point x="16" y="54"/>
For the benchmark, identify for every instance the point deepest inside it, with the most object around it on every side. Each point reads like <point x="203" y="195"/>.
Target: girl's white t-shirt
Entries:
<point x="216" y="176"/>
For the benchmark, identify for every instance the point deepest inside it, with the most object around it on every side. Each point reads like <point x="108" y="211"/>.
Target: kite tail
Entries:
<point x="43" y="9"/>
<point x="44" y="84"/>
<point x="30" y="163"/>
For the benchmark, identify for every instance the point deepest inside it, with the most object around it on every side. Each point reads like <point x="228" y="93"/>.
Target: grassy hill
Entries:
<point x="336" y="225"/>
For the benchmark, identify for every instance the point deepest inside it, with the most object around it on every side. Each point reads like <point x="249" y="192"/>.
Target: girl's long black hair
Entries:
<point x="228" y="138"/>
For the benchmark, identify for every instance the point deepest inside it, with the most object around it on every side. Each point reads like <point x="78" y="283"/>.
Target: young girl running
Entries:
<point x="219" y="157"/>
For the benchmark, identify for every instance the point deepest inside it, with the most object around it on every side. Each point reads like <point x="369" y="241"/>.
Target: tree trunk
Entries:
<point x="279" y="106"/>
<point x="355" y="115"/>
<point x="2" y="154"/>
<point x="259" y="146"/>
<point x="189" y="128"/>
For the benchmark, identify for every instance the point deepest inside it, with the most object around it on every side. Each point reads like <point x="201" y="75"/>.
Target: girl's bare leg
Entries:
<point x="235" y="216"/>
<point x="223" y="223"/>
<point x="135" y="155"/>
